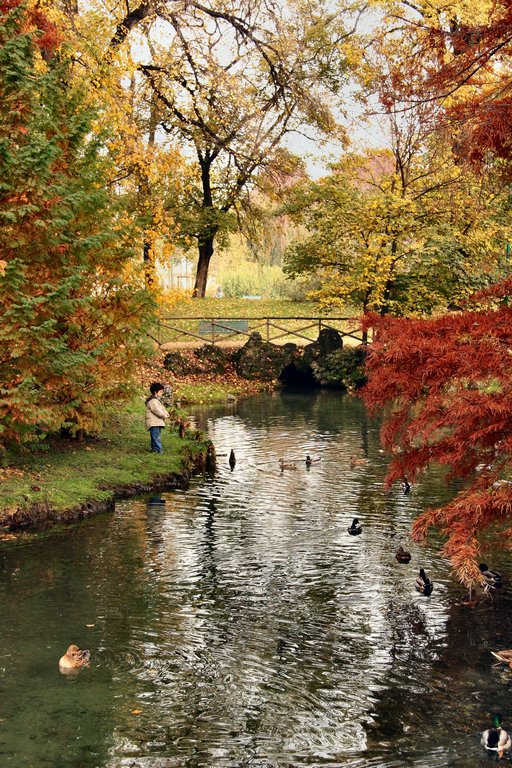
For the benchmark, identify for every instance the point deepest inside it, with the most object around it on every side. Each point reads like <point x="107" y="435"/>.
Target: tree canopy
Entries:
<point x="403" y="230"/>
<point x="464" y="49"/>
<point x="226" y="83"/>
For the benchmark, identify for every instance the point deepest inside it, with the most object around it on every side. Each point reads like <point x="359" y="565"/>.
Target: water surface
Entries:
<point x="236" y="624"/>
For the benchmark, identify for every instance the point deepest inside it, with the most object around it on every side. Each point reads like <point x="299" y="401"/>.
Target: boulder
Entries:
<point x="206" y="359"/>
<point x="260" y="360"/>
<point x="216" y="358"/>
<point x="179" y="364"/>
<point x="329" y="340"/>
<point x="316" y="356"/>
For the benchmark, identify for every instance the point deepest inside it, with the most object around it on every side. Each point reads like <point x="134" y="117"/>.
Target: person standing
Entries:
<point x="156" y="414"/>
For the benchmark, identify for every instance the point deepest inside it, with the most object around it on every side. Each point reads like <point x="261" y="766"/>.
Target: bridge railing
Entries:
<point x="278" y="330"/>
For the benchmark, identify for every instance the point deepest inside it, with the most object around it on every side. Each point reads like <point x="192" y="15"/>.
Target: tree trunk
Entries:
<point x="150" y="276"/>
<point x="149" y="266"/>
<point x="205" y="254"/>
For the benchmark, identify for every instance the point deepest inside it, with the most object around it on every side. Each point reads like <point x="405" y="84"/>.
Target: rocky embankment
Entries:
<point x="323" y="363"/>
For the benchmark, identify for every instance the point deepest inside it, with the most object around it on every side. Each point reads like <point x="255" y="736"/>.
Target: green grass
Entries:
<point x="210" y="307"/>
<point x="69" y="473"/>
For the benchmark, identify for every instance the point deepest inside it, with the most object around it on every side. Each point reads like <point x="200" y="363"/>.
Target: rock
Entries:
<point x="261" y="360"/>
<point x="329" y="340"/>
<point x="217" y="358"/>
<point x="179" y="364"/>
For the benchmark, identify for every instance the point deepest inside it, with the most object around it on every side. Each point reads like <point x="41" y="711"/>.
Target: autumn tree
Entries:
<point x="231" y="82"/>
<point x="71" y="313"/>
<point x="446" y="387"/>
<point x="465" y="48"/>
<point x="403" y="230"/>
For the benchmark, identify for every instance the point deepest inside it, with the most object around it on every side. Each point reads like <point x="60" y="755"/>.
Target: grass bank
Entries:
<point x="68" y="479"/>
<point x="210" y="307"/>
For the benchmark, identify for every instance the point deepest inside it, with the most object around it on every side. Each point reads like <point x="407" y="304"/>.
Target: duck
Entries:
<point x="74" y="658"/>
<point x="284" y="465"/>
<point x="356" y="528"/>
<point x="493" y="579"/>
<point x="402" y="555"/>
<point x="357" y="462"/>
<point x="504" y="656"/>
<point x="232" y="459"/>
<point x="423" y="584"/>
<point x="406" y="486"/>
<point x="496" y="738"/>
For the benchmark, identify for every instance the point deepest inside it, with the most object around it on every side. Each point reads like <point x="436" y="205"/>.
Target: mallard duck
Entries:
<point x="232" y="459"/>
<point x="495" y="738"/>
<point x="284" y="465"/>
<point x="406" y="486"/>
<point x="356" y="528"/>
<point x="402" y="555"/>
<point x="74" y="658"/>
<point x="504" y="656"/>
<point x="357" y="462"/>
<point x="493" y="579"/>
<point x="423" y="584"/>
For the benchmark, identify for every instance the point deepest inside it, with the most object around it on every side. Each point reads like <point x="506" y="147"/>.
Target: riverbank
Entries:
<point x="67" y="480"/>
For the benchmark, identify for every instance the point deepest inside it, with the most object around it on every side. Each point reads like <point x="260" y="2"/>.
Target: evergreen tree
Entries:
<point x="71" y="314"/>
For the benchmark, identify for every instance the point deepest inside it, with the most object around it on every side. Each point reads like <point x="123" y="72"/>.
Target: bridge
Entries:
<point x="234" y="331"/>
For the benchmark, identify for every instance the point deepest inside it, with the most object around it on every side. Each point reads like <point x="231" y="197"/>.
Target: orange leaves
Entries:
<point x="449" y="382"/>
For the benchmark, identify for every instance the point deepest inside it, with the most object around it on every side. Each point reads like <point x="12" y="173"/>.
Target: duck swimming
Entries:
<point x="232" y="459"/>
<point x="495" y="738"/>
<point x="356" y="528"/>
<point x="357" y="462"/>
<point x="406" y="486"/>
<point x="423" y="584"/>
<point x="402" y="555"/>
<point x="493" y="579"/>
<point x="284" y="465"/>
<point x="74" y="658"/>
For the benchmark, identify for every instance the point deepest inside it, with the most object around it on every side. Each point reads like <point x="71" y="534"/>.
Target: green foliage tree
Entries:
<point x="71" y="313"/>
<point x="404" y="230"/>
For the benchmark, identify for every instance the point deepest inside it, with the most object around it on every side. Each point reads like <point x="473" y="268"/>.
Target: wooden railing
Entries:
<point x="278" y="330"/>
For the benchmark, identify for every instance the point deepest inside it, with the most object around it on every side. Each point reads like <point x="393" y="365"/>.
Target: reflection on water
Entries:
<point x="237" y="624"/>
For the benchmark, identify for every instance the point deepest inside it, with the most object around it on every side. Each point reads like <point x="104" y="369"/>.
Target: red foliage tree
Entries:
<point x="447" y="383"/>
<point x="471" y="74"/>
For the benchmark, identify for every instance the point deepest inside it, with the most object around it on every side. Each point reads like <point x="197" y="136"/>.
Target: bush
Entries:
<point x="345" y="367"/>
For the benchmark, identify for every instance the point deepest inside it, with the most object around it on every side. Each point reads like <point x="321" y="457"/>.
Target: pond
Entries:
<point x="236" y="624"/>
